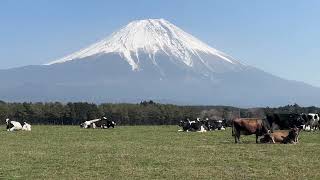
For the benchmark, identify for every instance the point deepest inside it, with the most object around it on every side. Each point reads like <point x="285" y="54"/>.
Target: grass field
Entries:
<point x="151" y="152"/>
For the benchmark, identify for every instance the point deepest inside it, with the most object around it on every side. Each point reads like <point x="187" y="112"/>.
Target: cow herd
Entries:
<point x="275" y="128"/>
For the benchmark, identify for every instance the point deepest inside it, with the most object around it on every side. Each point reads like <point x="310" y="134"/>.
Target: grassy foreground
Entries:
<point x="151" y="152"/>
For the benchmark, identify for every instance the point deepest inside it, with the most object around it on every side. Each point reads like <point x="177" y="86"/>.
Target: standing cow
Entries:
<point x="312" y="122"/>
<point x="286" y="121"/>
<point x="249" y="126"/>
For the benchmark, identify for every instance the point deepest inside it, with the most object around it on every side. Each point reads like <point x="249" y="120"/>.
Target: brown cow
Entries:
<point x="282" y="136"/>
<point x="249" y="126"/>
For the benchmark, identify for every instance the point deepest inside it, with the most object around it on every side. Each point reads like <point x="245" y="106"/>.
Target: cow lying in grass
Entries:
<point x="26" y="127"/>
<point x="102" y="123"/>
<point x="282" y="136"/>
<point x="213" y="125"/>
<point x="193" y="126"/>
<point x="16" y="126"/>
<point x="201" y="125"/>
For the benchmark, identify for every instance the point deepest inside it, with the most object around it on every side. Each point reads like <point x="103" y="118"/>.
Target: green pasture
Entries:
<point x="151" y="152"/>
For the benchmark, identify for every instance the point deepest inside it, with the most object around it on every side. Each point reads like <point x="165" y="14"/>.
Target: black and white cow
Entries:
<point x="214" y="124"/>
<point x="196" y="125"/>
<point x="16" y="126"/>
<point x="105" y="123"/>
<point x="285" y="121"/>
<point x="312" y="122"/>
<point x="102" y="123"/>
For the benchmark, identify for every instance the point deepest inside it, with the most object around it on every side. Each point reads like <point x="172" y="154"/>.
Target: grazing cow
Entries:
<point x="282" y="136"/>
<point x="249" y="126"/>
<point x="188" y="125"/>
<point x="16" y="126"/>
<point x="285" y="121"/>
<point x="312" y="122"/>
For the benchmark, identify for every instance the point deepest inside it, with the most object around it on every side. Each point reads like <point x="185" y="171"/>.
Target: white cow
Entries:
<point x="26" y="127"/>
<point x="89" y="124"/>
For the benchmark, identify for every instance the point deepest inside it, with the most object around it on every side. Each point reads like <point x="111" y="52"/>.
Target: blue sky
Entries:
<point x="280" y="37"/>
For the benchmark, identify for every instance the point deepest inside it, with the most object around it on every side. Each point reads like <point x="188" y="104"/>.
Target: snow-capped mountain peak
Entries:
<point x="152" y="36"/>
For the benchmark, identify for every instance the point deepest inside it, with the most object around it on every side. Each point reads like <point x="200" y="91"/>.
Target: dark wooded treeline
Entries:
<point x="144" y="113"/>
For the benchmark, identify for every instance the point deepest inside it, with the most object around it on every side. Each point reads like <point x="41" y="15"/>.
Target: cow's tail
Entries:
<point x="233" y="127"/>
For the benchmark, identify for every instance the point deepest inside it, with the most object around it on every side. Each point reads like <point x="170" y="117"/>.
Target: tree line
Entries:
<point x="144" y="113"/>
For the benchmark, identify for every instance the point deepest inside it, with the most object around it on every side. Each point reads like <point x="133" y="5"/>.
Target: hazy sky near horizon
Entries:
<point x="280" y="37"/>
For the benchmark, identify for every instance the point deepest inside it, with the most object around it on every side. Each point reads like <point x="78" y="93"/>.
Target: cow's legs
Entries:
<point x="257" y="138"/>
<point x="237" y="136"/>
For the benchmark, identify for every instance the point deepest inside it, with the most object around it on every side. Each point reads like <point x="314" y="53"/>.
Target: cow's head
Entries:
<point x="110" y="123"/>
<point x="266" y="126"/>
<point x="292" y="137"/>
<point x="84" y="125"/>
<point x="185" y="124"/>
<point x="7" y="121"/>
<point x="206" y="123"/>
<point x="182" y="123"/>
<point x="294" y="132"/>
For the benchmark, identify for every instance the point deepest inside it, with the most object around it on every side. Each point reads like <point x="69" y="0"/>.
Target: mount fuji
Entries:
<point x="147" y="41"/>
<point x="152" y="59"/>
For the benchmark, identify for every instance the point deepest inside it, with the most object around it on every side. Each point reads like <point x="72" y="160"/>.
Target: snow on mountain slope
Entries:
<point x="154" y="36"/>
